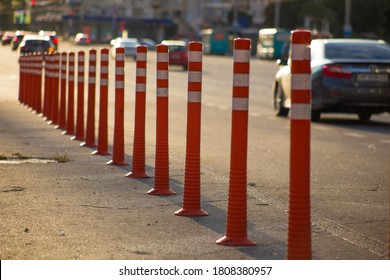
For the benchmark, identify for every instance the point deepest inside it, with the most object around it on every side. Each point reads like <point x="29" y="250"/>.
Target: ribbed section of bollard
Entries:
<point x="70" y="108"/>
<point x="236" y="224"/>
<point x="90" y="126"/>
<point x="80" y="133"/>
<point x="299" y="220"/>
<point x="63" y="76"/>
<point x="161" y="182"/>
<point x="118" y="155"/>
<point x="138" y="163"/>
<point x="192" y="181"/>
<point x="102" y="145"/>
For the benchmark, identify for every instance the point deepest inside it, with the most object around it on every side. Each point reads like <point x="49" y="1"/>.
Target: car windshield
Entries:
<point x="37" y="43"/>
<point x="357" y="51"/>
<point x="128" y="44"/>
<point x="176" y="48"/>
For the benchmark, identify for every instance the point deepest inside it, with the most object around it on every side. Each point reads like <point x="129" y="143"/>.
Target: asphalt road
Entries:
<point x="350" y="160"/>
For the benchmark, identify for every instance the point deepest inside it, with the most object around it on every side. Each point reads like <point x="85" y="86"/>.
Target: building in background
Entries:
<point x="155" y="19"/>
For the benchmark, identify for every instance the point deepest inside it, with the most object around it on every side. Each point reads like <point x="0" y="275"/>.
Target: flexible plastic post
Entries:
<point x="118" y="154"/>
<point x="63" y="72"/>
<point x="236" y="225"/>
<point x="138" y="163"/>
<point x="161" y="182"/>
<point x="80" y="97"/>
<point x="55" y="89"/>
<point x="191" y="196"/>
<point x="90" y="127"/>
<point x="102" y="145"/>
<point x="71" y="85"/>
<point x="299" y="221"/>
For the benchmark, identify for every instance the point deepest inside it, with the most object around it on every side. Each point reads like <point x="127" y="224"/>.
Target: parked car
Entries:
<point x="53" y="37"/>
<point x="149" y="43"/>
<point x="7" y="38"/>
<point x="178" y="53"/>
<point x="82" y="39"/>
<point x="17" y="39"/>
<point x="348" y="76"/>
<point x="129" y="44"/>
<point x="36" y="43"/>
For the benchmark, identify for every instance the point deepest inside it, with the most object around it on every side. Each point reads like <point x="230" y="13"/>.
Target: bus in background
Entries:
<point x="215" y="42"/>
<point x="271" y="42"/>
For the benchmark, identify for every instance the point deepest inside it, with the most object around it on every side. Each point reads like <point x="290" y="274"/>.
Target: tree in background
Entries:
<point x="369" y="19"/>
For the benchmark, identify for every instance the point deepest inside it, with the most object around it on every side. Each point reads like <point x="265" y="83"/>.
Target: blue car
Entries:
<point x="348" y="76"/>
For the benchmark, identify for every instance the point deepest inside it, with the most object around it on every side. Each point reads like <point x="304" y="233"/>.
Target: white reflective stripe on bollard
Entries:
<point x="141" y="72"/>
<point x="195" y="56"/>
<point x="162" y="57"/>
<point x="195" y="77"/>
<point x="162" y="92"/>
<point x="119" y="84"/>
<point x="300" y="52"/>
<point x="301" y="81"/>
<point x="140" y="87"/>
<point x="240" y="80"/>
<point x="194" y="97"/>
<point x="242" y="56"/>
<point x="162" y="74"/>
<point x="300" y="111"/>
<point x="240" y="104"/>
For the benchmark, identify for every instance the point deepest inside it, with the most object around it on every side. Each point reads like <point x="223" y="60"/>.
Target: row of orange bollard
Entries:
<point x="56" y="110"/>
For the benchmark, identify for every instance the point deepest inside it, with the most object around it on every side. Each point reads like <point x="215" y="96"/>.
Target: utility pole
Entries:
<point x="277" y="13"/>
<point x="347" y="19"/>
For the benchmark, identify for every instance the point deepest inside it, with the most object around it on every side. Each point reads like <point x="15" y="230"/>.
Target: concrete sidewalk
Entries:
<point x="85" y="209"/>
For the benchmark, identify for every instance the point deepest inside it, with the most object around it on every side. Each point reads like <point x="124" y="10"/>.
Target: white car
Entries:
<point x="129" y="44"/>
<point x="348" y="76"/>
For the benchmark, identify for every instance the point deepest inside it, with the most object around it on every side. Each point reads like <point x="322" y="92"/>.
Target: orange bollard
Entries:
<point x="191" y="196"/>
<point x="55" y="89"/>
<point x="47" y="85"/>
<point x="21" y="78"/>
<point x="236" y="228"/>
<point x="62" y="112"/>
<point x="80" y="97"/>
<point x="299" y="222"/>
<point x="138" y="164"/>
<point x="28" y="81"/>
<point x="161" y="182"/>
<point x="102" y="146"/>
<point x="118" y="155"/>
<point x="37" y="83"/>
<point x="34" y="82"/>
<point x="90" y="129"/>
<point x="40" y="71"/>
<point x="70" y="115"/>
<point x="50" y="87"/>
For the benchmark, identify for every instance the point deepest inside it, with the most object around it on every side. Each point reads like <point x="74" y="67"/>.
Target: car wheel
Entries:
<point x="279" y="108"/>
<point x="315" y="115"/>
<point x="364" y="117"/>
